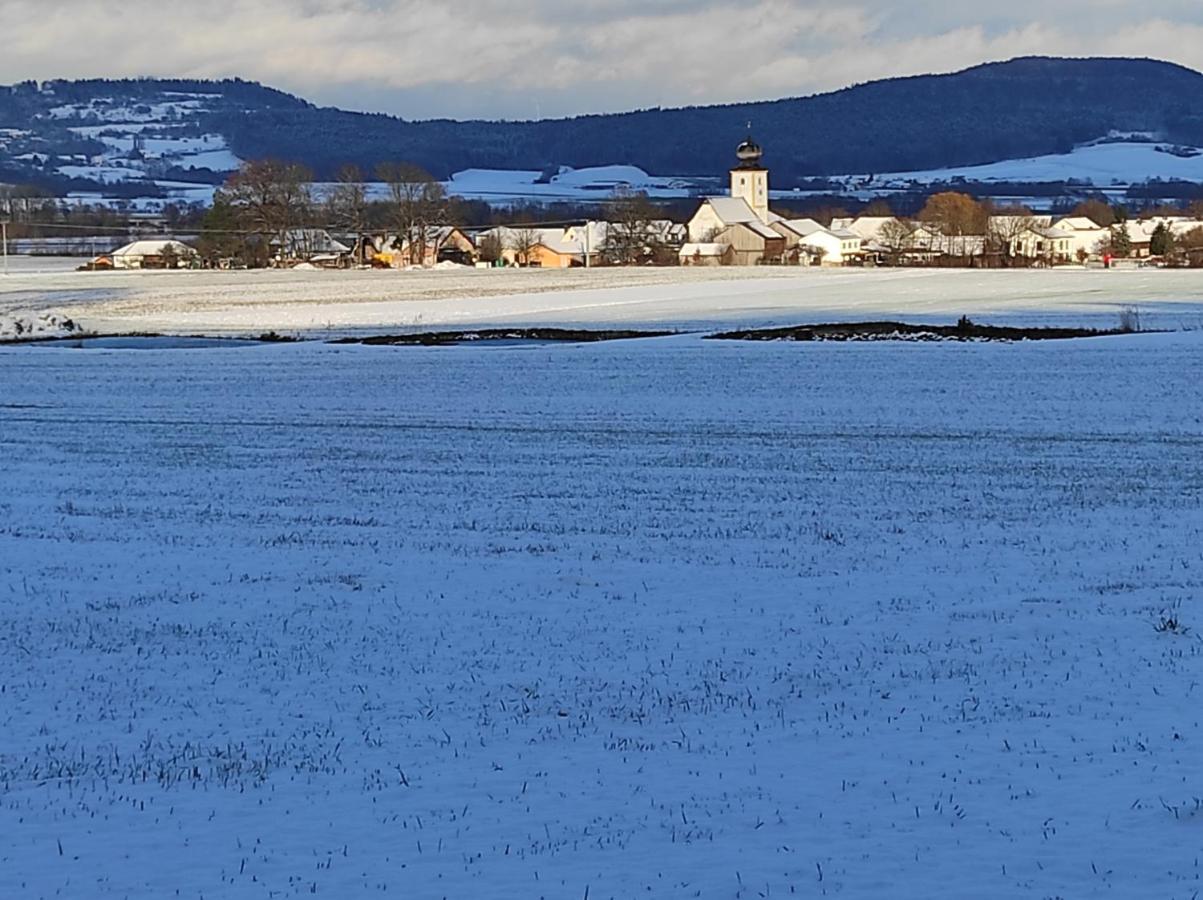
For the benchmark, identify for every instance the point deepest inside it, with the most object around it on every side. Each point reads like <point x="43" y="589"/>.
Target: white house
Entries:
<point x="868" y="228"/>
<point x="1033" y="237"/>
<point x="153" y="255"/>
<point x="1085" y="235"/>
<point x="825" y="246"/>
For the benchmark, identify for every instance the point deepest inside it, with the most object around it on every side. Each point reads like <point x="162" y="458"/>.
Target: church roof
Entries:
<point x="802" y="227"/>
<point x="732" y="210"/>
<point x="761" y="229"/>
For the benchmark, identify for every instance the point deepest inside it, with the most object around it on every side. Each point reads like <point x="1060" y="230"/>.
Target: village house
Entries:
<point x="153" y="255"/>
<point x="889" y="238"/>
<point x="311" y="245"/>
<point x="1085" y="235"/>
<point x="1031" y="237"/>
<point x="539" y="248"/>
<point x="591" y="237"/>
<point x="1141" y="231"/>
<point x="809" y="242"/>
<point x="439" y="243"/>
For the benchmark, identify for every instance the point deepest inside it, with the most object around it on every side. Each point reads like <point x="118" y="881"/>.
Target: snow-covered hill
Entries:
<point x="153" y="142"/>
<point x="1100" y="164"/>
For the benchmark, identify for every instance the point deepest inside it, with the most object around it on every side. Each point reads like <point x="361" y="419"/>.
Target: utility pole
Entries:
<point x="4" y="238"/>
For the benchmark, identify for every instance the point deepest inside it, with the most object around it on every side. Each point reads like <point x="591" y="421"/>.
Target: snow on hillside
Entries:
<point x="666" y="619"/>
<point x="595" y="183"/>
<point x="1101" y="164"/>
<point x="141" y="142"/>
<point x="117" y="111"/>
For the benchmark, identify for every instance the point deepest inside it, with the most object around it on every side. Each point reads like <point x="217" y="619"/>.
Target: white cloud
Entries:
<point x="513" y="59"/>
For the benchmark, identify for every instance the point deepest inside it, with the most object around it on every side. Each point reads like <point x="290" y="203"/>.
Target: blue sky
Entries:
<point x="513" y="59"/>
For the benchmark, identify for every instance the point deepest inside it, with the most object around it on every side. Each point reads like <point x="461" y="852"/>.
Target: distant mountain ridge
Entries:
<point x="1025" y="107"/>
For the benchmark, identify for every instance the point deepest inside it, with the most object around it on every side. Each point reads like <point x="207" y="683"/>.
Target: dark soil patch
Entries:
<point x="144" y="341"/>
<point x="538" y="335"/>
<point x="964" y="330"/>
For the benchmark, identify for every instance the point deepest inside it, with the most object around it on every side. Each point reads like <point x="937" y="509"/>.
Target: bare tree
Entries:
<point x="898" y="237"/>
<point x="1006" y="231"/>
<point x="523" y="241"/>
<point x="416" y="204"/>
<point x="1191" y="245"/>
<point x="631" y="236"/>
<point x="272" y="198"/>
<point x="347" y="201"/>
<point x="490" y="248"/>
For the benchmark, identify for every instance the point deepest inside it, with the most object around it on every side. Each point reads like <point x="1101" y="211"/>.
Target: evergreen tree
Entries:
<point x="1162" y="241"/>
<point x="1120" y="242"/>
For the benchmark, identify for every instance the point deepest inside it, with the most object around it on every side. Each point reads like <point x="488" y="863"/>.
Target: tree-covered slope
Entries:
<point x="1024" y="107"/>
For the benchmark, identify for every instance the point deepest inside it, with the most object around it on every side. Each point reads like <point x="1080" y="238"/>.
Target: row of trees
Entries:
<point x="267" y="200"/>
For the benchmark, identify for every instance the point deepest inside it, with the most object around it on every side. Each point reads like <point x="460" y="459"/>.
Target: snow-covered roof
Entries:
<point x="761" y="229"/>
<point x="733" y="210"/>
<point x="865" y="227"/>
<point x="552" y="238"/>
<point x="593" y="233"/>
<point x="153" y="248"/>
<point x="1053" y="233"/>
<point x="436" y="236"/>
<point x="1078" y="223"/>
<point x="311" y="240"/>
<point x="802" y="227"/>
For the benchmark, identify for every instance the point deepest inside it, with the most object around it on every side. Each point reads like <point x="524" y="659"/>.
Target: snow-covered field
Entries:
<point x="323" y="302"/>
<point x="665" y="618"/>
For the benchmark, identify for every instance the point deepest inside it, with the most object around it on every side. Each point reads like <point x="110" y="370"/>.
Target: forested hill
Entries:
<point x="1024" y="107"/>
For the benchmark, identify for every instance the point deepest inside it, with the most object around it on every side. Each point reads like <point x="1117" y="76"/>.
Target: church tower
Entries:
<point x="750" y="180"/>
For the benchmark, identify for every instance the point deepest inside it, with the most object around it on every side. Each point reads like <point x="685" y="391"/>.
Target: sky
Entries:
<point x="538" y="59"/>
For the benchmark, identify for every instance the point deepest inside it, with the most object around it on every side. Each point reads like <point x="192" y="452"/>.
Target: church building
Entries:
<point x="741" y="230"/>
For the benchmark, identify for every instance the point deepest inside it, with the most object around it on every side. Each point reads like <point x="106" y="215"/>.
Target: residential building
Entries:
<point x="153" y="255"/>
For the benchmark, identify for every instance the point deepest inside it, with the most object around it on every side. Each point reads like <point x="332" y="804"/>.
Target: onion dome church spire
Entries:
<point x="749" y="154"/>
<point x="750" y="179"/>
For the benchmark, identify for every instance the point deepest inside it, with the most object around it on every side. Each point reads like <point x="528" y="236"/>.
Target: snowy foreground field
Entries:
<point x="664" y="618"/>
<point x="310" y="303"/>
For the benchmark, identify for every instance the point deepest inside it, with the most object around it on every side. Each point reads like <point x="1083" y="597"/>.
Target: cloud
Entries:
<point x="519" y="60"/>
